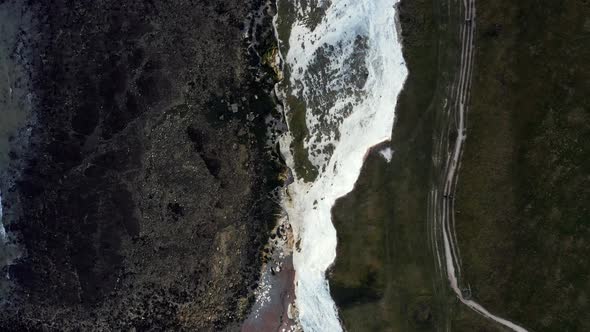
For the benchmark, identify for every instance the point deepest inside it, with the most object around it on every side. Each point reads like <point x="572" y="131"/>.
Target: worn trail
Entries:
<point x="442" y="210"/>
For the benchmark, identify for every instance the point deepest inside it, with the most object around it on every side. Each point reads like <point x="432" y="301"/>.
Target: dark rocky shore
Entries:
<point x="134" y="198"/>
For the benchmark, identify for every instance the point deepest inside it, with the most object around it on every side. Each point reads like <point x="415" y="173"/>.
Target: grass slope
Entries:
<point x="382" y="278"/>
<point x="524" y="219"/>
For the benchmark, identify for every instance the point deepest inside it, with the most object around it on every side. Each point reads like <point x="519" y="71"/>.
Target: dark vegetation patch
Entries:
<point x="126" y="143"/>
<point x="298" y="129"/>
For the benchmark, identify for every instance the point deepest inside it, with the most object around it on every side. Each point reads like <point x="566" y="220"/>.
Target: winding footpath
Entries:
<point x="442" y="202"/>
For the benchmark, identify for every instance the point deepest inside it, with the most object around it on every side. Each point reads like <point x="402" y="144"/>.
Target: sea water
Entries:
<point x="345" y="63"/>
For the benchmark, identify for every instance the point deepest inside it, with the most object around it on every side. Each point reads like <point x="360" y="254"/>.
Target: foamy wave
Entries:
<point x="349" y="70"/>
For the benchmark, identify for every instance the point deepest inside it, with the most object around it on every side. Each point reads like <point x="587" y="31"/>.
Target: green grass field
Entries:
<point x="524" y="219"/>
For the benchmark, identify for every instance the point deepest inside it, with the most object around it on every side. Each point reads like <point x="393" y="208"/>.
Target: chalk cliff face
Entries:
<point x="132" y="197"/>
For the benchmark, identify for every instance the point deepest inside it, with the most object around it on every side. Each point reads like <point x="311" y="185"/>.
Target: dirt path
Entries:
<point x="450" y="149"/>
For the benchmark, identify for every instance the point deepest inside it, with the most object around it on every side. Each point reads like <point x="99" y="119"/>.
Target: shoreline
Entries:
<point x="367" y="267"/>
<point x="310" y="203"/>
